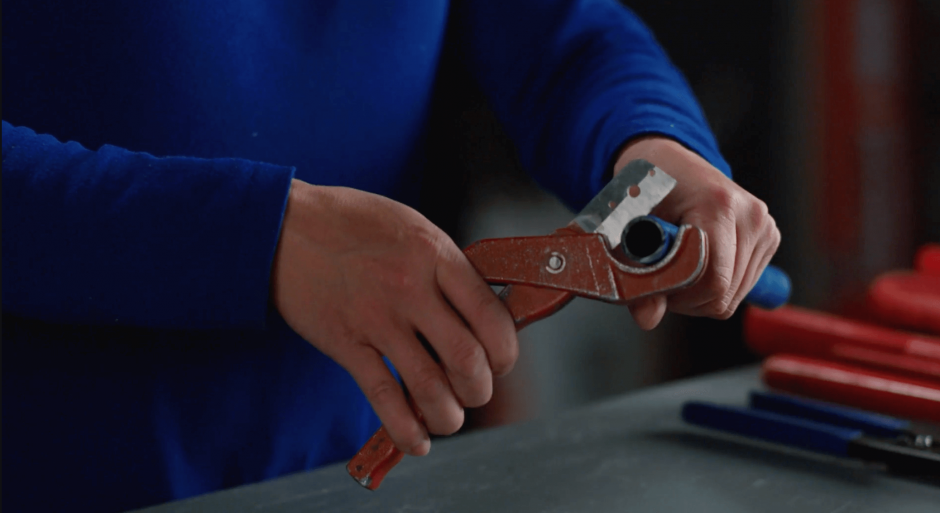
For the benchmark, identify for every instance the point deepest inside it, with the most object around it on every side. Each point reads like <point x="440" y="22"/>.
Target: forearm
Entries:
<point x="116" y="237"/>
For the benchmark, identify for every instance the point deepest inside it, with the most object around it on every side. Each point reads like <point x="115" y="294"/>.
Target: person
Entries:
<point x="211" y="251"/>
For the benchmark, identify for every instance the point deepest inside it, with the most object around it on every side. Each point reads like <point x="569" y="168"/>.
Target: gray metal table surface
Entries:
<point x="630" y="453"/>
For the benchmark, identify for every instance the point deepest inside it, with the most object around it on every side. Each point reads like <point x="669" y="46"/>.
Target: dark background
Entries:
<point x="758" y="71"/>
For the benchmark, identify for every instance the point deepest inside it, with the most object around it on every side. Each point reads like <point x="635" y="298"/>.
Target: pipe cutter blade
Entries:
<point x="634" y="192"/>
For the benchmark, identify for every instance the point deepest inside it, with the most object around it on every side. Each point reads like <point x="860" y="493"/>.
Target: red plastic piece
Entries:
<point x="927" y="260"/>
<point x="854" y="386"/>
<point x="907" y="299"/>
<point x="921" y="368"/>
<point x="376" y="458"/>
<point x="542" y="275"/>
<point x="797" y="330"/>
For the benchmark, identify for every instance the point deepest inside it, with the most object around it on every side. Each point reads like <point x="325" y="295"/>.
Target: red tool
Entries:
<point x="927" y="260"/>
<point x="798" y="330"/>
<point x="854" y="386"/>
<point x="542" y="274"/>
<point x="907" y="299"/>
<point x="920" y="368"/>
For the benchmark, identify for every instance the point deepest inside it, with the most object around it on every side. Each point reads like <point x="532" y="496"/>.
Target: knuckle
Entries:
<point x="735" y="305"/>
<point x="724" y="198"/>
<point x="758" y="216"/>
<point x="504" y="357"/>
<point x="383" y="391"/>
<point x="486" y="303"/>
<point x="775" y="239"/>
<point x="428" y="241"/>
<point x="433" y="243"/>
<point x="759" y="209"/>
<point x="395" y="276"/>
<point x="478" y="396"/>
<point x="724" y="316"/>
<point x="406" y="443"/>
<point x="718" y="309"/>
<point x="427" y="385"/>
<point x="469" y="365"/>
<point x="717" y="284"/>
<point x="468" y="358"/>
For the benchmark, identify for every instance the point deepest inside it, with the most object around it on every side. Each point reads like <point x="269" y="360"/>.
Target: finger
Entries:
<point x="425" y="380"/>
<point x="700" y="299"/>
<point x="461" y="354"/>
<point x="485" y="315"/>
<point x="757" y="261"/>
<point x="763" y="253"/>
<point x="723" y="307"/>
<point x="648" y="311"/>
<point x="387" y="399"/>
<point x="758" y="264"/>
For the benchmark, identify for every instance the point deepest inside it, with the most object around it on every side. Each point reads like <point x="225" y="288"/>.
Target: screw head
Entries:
<point x="556" y="263"/>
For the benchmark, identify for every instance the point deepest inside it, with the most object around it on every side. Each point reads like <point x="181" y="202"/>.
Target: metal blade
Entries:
<point x="610" y="211"/>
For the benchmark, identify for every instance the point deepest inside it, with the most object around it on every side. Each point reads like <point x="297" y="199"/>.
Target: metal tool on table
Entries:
<point x="544" y="273"/>
<point x="824" y="428"/>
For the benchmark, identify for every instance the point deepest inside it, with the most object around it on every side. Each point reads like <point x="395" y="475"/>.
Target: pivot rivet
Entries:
<point x="556" y="263"/>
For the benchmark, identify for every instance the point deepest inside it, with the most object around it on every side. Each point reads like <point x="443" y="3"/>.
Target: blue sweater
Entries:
<point x="148" y="148"/>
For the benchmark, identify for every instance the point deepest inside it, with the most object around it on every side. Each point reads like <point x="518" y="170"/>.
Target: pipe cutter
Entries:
<point x="542" y="274"/>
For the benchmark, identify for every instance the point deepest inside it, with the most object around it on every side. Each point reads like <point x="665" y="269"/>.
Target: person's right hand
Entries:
<point x="359" y="276"/>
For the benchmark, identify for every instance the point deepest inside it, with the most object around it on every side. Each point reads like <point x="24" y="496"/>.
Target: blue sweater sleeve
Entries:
<point x="572" y="81"/>
<point x="117" y="237"/>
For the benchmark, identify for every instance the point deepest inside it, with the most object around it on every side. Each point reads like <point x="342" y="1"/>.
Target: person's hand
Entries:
<point x="359" y="276"/>
<point x="742" y="236"/>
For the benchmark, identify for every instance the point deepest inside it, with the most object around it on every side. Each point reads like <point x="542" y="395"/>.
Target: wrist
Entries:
<point x="300" y="197"/>
<point x="646" y="147"/>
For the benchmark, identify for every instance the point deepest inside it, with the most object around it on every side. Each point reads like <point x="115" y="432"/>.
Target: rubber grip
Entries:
<point x="772" y="289"/>
<point x="772" y="427"/>
<point x="870" y="423"/>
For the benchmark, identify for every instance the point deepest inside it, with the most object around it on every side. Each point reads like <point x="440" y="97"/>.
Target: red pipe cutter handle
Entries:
<point x="542" y="275"/>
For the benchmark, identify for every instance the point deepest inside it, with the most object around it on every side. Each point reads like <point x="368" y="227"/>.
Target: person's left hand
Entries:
<point x="742" y="236"/>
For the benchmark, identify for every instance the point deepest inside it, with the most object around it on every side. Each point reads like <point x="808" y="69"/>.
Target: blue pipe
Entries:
<point x="647" y="239"/>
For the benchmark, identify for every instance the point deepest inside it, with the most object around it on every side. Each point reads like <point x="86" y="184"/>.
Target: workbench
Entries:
<point x="629" y="453"/>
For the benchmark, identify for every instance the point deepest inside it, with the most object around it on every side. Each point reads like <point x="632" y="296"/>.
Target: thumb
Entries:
<point x="648" y="311"/>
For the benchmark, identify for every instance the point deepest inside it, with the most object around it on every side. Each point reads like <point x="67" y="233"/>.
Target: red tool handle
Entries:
<point x="907" y="299"/>
<point x="927" y="260"/>
<point x="798" y="330"/>
<point x="919" y="368"/>
<point x="854" y="386"/>
<point x="561" y="266"/>
<point x="379" y="455"/>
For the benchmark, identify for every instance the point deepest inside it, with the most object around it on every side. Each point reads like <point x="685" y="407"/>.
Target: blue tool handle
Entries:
<point x="772" y="427"/>
<point x="772" y="289"/>
<point x="870" y="423"/>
